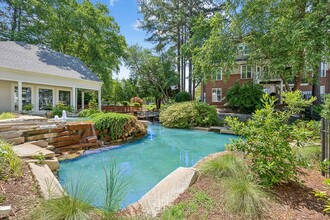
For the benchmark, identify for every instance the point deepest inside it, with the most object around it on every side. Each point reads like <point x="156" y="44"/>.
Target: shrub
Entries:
<point x="136" y="100"/>
<point x="10" y="163"/>
<point x="246" y="97"/>
<point x="125" y="103"/>
<point x="57" y="110"/>
<point x="182" y="97"/>
<point x="226" y="165"/>
<point x="325" y="113"/>
<point x="266" y="139"/>
<point x="7" y="115"/>
<point x="28" y="107"/>
<point x="244" y="197"/>
<point x="188" y="114"/>
<point x="114" y="125"/>
<point x="136" y="104"/>
<point x="88" y="112"/>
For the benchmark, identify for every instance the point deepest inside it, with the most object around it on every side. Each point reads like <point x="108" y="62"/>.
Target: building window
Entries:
<point x="323" y="70"/>
<point x="243" y="50"/>
<point x="322" y="90"/>
<point x="216" y="95"/>
<point x="218" y="75"/>
<point x="246" y="72"/>
<point x="45" y="99"/>
<point x="26" y="96"/>
<point x="65" y="97"/>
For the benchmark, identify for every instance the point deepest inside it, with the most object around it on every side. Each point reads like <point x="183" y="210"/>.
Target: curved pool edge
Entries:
<point x="168" y="189"/>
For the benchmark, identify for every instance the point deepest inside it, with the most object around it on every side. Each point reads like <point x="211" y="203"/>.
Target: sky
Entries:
<point x="125" y="13"/>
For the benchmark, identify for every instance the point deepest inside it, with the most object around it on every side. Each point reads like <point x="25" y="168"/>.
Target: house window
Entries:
<point x="216" y="95"/>
<point x="322" y="90"/>
<point x="246" y="72"/>
<point x="323" y="70"/>
<point x="218" y="75"/>
<point x="26" y="96"/>
<point x="45" y="99"/>
<point x="243" y="50"/>
<point x="65" y="97"/>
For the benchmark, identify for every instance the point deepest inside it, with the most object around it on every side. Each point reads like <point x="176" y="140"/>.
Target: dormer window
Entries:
<point x="243" y="50"/>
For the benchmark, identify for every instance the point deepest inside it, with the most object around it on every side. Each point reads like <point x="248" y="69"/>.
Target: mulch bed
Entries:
<point x="22" y="194"/>
<point x="292" y="200"/>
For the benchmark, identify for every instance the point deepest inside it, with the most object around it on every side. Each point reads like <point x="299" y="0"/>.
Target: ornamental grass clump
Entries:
<point x="6" y="115"/>
<point x="227" y="165"/>
<point x="10" y="164"/>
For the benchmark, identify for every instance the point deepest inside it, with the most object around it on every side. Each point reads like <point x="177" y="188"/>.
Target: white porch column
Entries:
<point x="74" y="95"/>
<point x="20" y="107"/>
<point x="82" y="100"/>
<point x="99" y="99"/>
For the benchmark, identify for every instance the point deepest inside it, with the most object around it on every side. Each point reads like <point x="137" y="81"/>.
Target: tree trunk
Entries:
<point x="158" y="101"/>
<point x="179" y="58"/>
<point x="316" y="86"/>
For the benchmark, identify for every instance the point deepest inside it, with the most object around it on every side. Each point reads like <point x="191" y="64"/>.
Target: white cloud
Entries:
<point x="137" y="25"/>
<point x="112" y="2"/>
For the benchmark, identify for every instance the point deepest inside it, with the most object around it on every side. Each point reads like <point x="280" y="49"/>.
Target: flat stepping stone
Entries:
<point x="49" y="186"/>
<point x="28" y="150"/>
<point x="167" y="191"/>
<point x="5" y="210"/>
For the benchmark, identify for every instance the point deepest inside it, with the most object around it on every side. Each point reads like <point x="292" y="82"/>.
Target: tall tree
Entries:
<point x="155" y="75"/>
<point x="290" y="37"/>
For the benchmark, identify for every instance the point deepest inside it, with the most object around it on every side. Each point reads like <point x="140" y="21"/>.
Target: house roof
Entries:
<point x="40" y="59"/>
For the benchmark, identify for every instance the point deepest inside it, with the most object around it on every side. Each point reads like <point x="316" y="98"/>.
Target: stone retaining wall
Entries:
<point x="63" y="136"/>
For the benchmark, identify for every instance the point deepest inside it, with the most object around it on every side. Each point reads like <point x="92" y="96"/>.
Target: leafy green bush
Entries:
<point x="182" y="97"/>
<point x="246" y="97"/>
<point x="125" y="103"/>
<point x="10" y="163"/>
<point x="7" y="115"/>
<point x="114" y="125"/>
<point x="88" y="112"/>
<point x="266" y="139"/>
<point x="226" y="165"/>
<point x="244" y="197"/>
<point x="57" y="110"/>
<point x="325" y="113"/>
<point x="28" y="107"/>
<point x="188" y="114"/>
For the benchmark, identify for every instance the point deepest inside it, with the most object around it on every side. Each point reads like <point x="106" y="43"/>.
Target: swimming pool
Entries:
<point x="146" y="161"/>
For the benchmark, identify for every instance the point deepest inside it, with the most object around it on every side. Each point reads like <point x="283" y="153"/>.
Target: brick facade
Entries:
<point x="230" y="80"/>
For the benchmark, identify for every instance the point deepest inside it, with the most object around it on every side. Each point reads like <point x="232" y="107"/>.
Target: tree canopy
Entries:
<point x="77" y="28"/>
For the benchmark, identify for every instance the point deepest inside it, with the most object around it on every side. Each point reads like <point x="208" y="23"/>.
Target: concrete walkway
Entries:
<point x="165" y="192"/>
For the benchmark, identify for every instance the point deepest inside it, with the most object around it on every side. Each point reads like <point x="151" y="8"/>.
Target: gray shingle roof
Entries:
<point x="40" y="59"/>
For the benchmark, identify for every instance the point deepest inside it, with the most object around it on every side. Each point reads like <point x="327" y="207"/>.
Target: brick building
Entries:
<point x="214" y="91"/>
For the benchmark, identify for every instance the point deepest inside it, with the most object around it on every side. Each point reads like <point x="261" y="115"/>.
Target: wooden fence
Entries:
<point x="122" y="109"/>
<point x="325" y="141"/>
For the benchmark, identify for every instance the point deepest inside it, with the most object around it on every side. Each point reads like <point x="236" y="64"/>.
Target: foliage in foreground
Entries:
<point x="188" y="114"/>
<point x="246" y="97"/>
<point x="180" y="211"/>
<point x="267" y="137"/>
<point x="322" y="195"/>
<point x="114" y="125"/>
<point x="68" y="207"/>
<point x="10" y="163"/>
<point x="58" y="109"/>
<point x="6" y="115"/>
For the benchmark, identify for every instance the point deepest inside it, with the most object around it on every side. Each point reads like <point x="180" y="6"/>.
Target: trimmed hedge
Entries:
<point x="113" y="126"/>
<point x="188" y="114"/>
<point x="88" y="112"/>
<point x="182" y="97"/>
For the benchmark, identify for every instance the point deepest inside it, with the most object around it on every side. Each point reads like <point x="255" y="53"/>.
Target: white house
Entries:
<point x="40" y="76"/>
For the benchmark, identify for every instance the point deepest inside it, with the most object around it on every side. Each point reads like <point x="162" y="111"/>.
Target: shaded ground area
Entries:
<point x="292" y="200"/>
<point x="21" y="193"/>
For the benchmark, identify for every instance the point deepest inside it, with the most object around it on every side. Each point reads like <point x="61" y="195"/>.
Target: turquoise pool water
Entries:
<point x="146" y="161"/>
